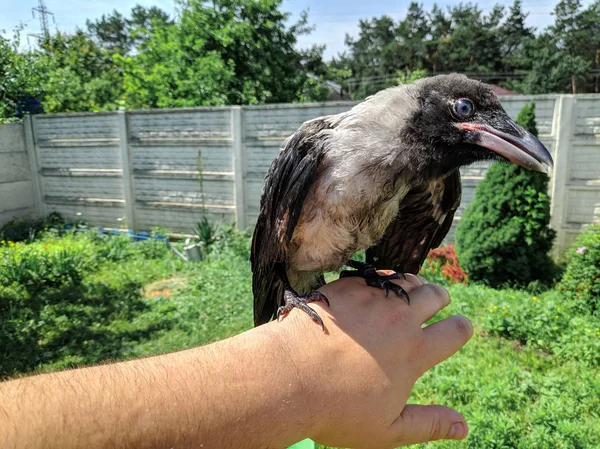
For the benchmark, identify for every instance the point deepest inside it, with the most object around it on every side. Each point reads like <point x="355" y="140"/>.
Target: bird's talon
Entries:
<point x="374" y="279"/>
<point x="292" y="300"/>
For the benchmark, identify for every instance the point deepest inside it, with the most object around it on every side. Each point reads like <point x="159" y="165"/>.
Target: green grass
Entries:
<point x="526" y="380"/>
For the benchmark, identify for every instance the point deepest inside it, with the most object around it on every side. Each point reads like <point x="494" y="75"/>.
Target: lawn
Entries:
<point x="528" y="378"/>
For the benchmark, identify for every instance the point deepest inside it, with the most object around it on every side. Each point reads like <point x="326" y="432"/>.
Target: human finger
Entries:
<point x="427" y="300"/>
<point x="444" y="338"/>
<point x="422" y="423"/>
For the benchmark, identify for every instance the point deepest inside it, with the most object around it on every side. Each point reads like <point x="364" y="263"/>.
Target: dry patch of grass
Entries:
<point x="164" y="288"/>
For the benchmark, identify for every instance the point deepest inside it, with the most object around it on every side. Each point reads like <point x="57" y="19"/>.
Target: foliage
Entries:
<point x="205" y="232"/>
<point x="504" y="235"/>
<point x="441" y="266"/>
<point x="122" y="35"/>
<point x="57" y="309"/>
<point x="410" y="76"/>
<point x="245" y="52"/>
<point x="22" y="229"/>
<point x="82" y="297"/>
<point x="466" y="38"/>
<point x="549" y="322"/>
<point x="581" y="280"/>
<point x="19" y="78"/>
<point x="215" y="53"/>
<point x="222" y="237"/>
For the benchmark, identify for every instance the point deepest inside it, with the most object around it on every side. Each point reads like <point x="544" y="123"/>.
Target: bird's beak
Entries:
<point x="524" y="149"/>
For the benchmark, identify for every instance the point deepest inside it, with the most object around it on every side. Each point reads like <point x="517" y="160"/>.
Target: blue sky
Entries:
<point x="333" y="18"/>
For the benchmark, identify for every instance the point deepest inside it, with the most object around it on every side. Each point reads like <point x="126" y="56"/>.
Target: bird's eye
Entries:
<point x="464" y="108"/>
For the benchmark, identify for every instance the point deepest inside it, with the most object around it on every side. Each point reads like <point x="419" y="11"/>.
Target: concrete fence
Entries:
<point x="141" y="169"/>
<point x="16" y="191"/>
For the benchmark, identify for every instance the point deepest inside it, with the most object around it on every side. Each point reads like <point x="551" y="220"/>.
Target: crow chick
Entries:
<point x="383" y="177"/>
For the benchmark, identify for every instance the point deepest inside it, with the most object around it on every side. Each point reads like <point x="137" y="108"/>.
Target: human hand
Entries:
<point x="359" y="374"/>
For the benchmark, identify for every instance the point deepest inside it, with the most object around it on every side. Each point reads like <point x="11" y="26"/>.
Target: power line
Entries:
<point x="43" y="13"/>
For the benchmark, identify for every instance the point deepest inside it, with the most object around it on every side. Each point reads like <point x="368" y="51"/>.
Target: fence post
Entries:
<point x="38" y="196"/>
<point x="126" y="170"/>
<point x="560" y="176"/>
<point x="239" y="166"/>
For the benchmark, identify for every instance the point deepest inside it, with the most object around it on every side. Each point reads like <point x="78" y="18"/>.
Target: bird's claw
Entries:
<point x="374" y="279"/>
<point x="301" y="302"/>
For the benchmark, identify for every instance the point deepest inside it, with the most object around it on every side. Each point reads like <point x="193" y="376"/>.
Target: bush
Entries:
<point x="46" y="263"/>
<point x="441" y="266"/>
<point x="504" y="235"/>
<point x="581" y="281"/>
<point x="76" y="298"/>
<point x="24" y="229"/>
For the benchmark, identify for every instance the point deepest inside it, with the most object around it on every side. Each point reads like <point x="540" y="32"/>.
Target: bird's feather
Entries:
<point x="287" y="183"/>
<point x="424" y="218"/>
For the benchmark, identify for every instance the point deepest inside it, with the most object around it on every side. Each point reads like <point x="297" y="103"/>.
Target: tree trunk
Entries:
<point x="573" y="84"/>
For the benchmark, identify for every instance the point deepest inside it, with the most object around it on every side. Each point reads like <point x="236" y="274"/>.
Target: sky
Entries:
<point x="333" y="19"/>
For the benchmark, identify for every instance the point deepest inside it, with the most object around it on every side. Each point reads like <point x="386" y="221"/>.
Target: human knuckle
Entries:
<point x="439" y="292"/>
<point x="413" y="280"/>
<point x="436" y="428"/>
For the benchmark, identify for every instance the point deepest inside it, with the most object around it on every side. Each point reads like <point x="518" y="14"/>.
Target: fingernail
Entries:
<point x="458" y="430"/>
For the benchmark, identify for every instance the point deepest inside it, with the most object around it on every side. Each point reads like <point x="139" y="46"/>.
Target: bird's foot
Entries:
<point x="292" y="300"/>
<point x="374" y="279"/>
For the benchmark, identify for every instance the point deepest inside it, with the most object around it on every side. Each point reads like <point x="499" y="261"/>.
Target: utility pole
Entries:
<point x="43" y="13"/>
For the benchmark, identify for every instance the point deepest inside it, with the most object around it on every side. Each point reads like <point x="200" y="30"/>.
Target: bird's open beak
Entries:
<point x="525" y="150"/>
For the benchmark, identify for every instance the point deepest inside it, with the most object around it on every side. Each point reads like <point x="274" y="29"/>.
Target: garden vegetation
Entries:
<point x="528" y="379"/>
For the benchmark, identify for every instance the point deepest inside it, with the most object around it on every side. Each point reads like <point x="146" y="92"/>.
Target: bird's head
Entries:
<point x="457" y="121"/>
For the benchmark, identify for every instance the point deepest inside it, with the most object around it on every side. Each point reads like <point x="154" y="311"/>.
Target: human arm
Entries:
<point x="268" y="387"/>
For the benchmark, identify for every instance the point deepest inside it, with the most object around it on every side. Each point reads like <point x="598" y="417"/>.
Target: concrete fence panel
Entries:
<point x="169" y="168"/>
<point x="16" y="189"/>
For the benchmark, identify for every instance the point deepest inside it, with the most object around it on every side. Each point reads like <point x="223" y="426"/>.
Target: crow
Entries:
<point x="382" y="177"/>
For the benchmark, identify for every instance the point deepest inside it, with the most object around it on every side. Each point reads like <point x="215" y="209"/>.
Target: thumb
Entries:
<point x="422" y="423"/>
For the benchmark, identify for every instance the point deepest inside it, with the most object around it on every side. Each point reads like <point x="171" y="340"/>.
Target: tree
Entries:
<point x="474" y="46"/>
<point x="374" y="56"/>
<point x="463" y="38"/>
<point x="513" y="35"/>
<point x="77" y="74"/>
<point x="410" y="76"/>
<point x="19" y="78"/>
<point x="570" y="37"/>
<point x="504" y="236"/>
<point x="111" y="32"/>
<point x="116" y="33"/>
<point x="561" y="58"/>
<point x="224" y="52"/>
<point x="411" y="34"/>
<point x="437" y="46"/>
<point x="166" y="75"/>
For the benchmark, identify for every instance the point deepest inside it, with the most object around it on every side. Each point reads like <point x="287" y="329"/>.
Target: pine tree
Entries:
<point x="504" y="236"/>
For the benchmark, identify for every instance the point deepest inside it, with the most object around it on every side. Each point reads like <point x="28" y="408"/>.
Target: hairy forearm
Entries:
<point x="234" y="393"/>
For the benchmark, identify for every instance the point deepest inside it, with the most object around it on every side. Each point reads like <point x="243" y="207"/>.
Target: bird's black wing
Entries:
<point x="287" y="183"/>
<point x="424" y="218"/>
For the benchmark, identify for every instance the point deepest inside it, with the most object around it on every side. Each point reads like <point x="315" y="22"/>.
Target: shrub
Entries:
<point x="40" y="266"/>
<point x="77" y="299"/>
<point x="504" y="235"/>
<point x="442" y="266"/>
<point x="581" y="281"/>
<point x="24" y="229"/>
